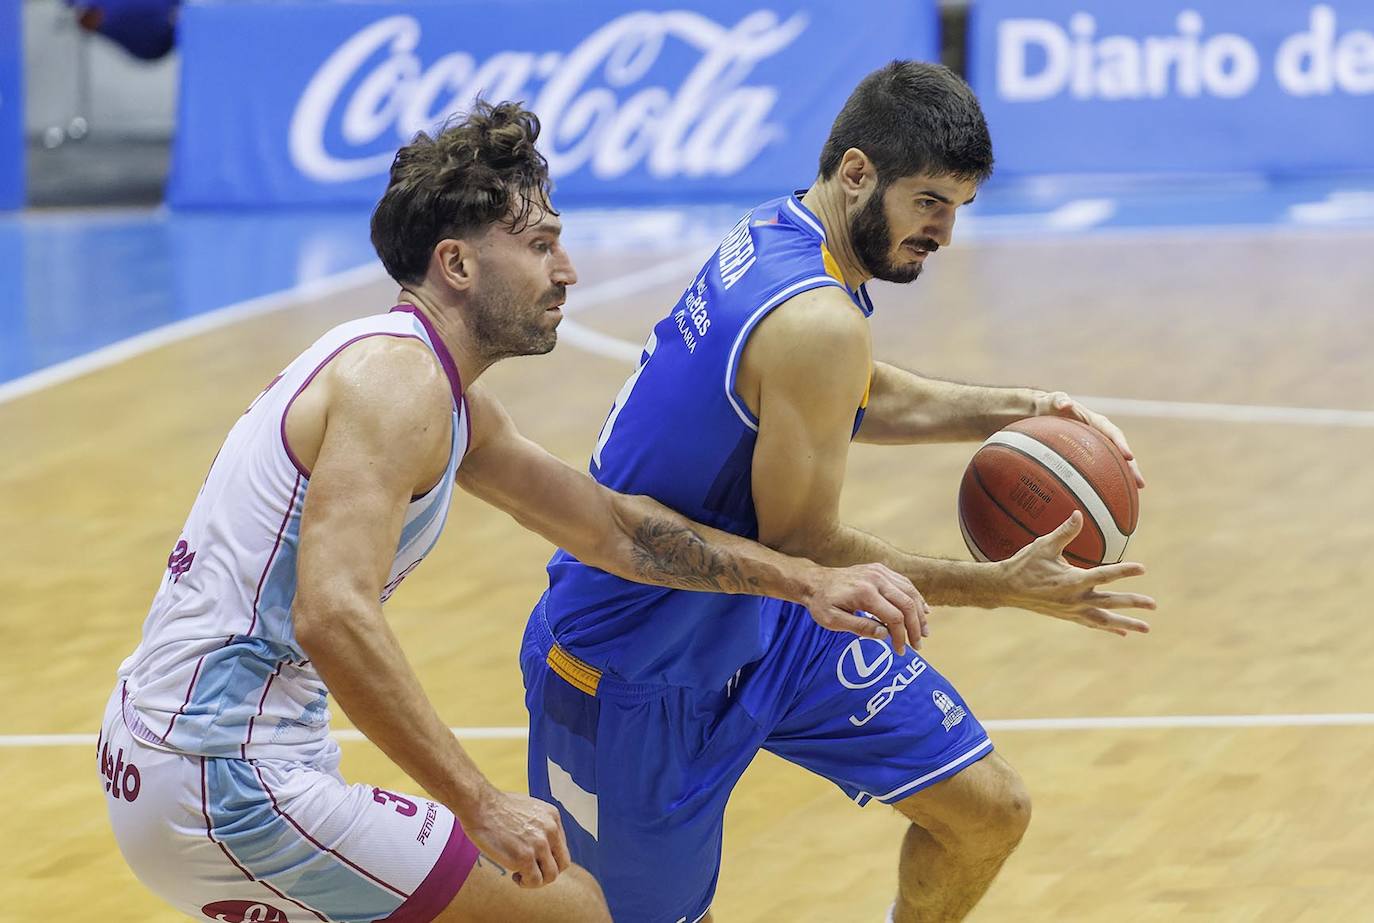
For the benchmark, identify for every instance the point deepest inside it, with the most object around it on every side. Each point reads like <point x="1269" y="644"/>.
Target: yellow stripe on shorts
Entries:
<point x="582" y="675"/>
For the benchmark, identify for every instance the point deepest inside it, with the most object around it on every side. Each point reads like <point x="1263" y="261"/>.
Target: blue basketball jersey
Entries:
<point x="679" y="432"/>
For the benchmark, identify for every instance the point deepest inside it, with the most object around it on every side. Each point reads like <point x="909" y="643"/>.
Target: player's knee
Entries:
<point x="1002" y="808"/>
<point x="1009" y="812"/>
<point x="984" y="810"/>
<point x="590" y="901"/>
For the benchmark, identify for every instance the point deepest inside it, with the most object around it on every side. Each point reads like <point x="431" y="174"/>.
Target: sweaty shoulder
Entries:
<point x="398" y="374"/>
<point x="817" y="338"/>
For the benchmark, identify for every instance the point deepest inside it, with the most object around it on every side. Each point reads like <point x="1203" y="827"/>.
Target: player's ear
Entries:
<point x="453" y="261"/>
<point x="856" y="172"/>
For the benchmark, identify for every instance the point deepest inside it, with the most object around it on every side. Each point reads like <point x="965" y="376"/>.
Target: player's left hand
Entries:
<point x="1059" y="404"/>
<point x="872" y="601"/>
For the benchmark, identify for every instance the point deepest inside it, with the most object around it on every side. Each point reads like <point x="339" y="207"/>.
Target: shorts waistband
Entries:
<point x="582" y="675"/>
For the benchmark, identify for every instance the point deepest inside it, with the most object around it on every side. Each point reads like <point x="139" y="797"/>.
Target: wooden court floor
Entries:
<point x="1258" y="537"/>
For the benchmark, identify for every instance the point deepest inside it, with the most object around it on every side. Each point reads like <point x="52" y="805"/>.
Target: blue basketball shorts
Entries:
<point x="642" y="772"/>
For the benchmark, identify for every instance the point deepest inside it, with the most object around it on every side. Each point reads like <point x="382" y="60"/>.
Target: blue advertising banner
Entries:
<point x="1182" y="85"/>
<point x="11" y="106"/>
<point x="300" y="102"/>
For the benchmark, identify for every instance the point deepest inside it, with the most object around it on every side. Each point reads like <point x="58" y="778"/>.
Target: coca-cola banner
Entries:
<point x="1086" y="86"/>
<point x="11" y="107"/>
<point x="306" y="102"/>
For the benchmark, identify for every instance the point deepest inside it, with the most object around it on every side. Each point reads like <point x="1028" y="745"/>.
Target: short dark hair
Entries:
<point x="912" y="117"/>
<point x="474" y="172"/>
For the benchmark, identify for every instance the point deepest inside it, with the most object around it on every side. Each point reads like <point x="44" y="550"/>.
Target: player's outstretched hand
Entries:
<point x="1039" y="579"/>
<point x="523" y="834"/>
<point x="872" y="601"/>
<point x="1059" y="404"/>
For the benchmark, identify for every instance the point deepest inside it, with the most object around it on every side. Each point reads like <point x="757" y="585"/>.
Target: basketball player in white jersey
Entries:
<point x="220" y="777"/>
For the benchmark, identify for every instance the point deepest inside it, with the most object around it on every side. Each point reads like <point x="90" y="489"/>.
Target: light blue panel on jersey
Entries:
<point x="1184" y="85"/>
<point x="304" y="102"/>
<point x="11" y="106"/>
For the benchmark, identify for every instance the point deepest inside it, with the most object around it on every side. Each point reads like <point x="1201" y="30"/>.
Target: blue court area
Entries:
<point x="72" y="282"/>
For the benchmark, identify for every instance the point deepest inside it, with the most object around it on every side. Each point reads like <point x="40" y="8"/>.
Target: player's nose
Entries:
<point x="564" y="273"/>
<point x="942" y="232"/>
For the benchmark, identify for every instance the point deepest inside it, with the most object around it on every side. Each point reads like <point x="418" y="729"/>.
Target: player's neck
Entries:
<point x="826" y="201"/>
<point x="459" y="341"/>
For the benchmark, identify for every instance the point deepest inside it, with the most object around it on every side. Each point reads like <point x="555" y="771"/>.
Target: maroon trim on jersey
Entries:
<point x="455" y="381"/>
<point x="437" y="891"/>
<point x="467" y="418"/>
<point x="316" y="843"/>
<point x="205" y="812"/>
<point x="311" y="377"/>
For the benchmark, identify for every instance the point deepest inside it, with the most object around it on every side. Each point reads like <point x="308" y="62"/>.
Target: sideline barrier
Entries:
<point x="291" y="103"/>
<point x="11" y="106"/>
<point x="1202" y="86"/>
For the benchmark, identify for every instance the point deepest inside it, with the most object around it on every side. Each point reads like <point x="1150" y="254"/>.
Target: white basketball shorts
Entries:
<point x="273" y="841"/>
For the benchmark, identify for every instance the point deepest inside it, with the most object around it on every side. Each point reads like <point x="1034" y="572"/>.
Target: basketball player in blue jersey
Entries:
<point x="221" y="779"/>
<point x="648" y="704"/>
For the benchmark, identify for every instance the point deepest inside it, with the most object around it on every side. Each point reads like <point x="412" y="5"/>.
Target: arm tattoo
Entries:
<point x="673" y="555"/>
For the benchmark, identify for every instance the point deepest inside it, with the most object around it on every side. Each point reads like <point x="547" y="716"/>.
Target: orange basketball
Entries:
<point x="1025" y="480"/>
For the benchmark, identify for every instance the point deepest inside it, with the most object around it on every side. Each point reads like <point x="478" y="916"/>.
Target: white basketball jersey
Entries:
<point x="219" y="671"/>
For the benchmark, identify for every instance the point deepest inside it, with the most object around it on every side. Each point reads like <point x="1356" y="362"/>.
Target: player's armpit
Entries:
<point x="374" y="453"/>
<point x="804" y="373"/>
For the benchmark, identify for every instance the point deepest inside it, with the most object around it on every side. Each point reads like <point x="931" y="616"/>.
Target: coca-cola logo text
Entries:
<point x="599" y="108"/>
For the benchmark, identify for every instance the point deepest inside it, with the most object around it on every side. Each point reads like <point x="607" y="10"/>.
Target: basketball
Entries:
<point x="1026" y="479"/>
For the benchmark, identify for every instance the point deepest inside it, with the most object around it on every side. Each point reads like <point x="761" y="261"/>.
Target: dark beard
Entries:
<point x="872" y="239"/>
<point x="504" y="329"/>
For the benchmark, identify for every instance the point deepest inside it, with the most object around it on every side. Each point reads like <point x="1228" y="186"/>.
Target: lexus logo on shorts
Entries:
<point x="863" y="663"/>
<point x="244" y="912"/>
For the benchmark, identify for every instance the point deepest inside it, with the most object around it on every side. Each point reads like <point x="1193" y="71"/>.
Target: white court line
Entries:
<point x="1150" y="722"/>
<point x="184" y="329"/>
<point x="1228" y="413"/>
<point x="106" y="356"/>
<point x="610" y="347"/>
<point x="603" y="344"/>
<point x="1078" y="215"/>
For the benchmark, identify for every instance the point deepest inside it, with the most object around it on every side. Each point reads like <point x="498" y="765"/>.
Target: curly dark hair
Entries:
<point x="912" y="117"/>
<point x="476" y="171"/>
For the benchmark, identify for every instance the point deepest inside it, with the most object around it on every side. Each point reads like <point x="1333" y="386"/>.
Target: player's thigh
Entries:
<point x="226" y="838"/>
<point x="878" y="725"/>
<point x="488" y="894"/>
<point x="641" y="783"/>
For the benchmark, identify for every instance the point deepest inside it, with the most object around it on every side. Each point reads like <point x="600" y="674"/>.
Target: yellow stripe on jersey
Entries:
<point x="832" y="268"/>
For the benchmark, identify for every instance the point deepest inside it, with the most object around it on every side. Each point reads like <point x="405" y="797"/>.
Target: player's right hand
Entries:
<point x="872" y="601"/>
<point x="1038" y="578"/>
<point x="523" y="834"/>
